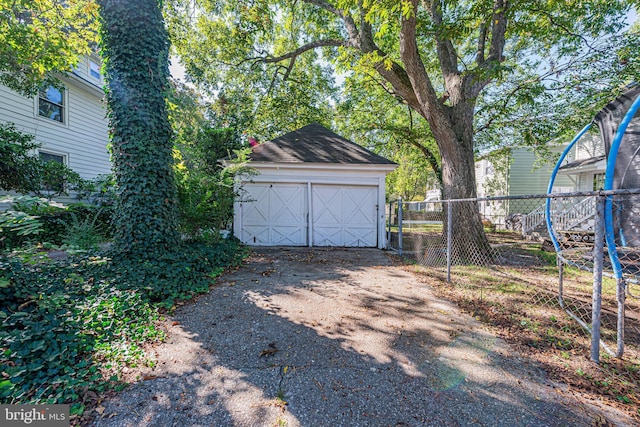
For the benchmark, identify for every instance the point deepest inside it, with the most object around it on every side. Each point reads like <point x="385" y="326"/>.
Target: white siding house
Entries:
<point x="70" y="124"/>
<point x="516" y="172"/>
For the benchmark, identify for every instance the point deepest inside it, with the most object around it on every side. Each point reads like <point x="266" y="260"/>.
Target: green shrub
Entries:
<point x="23" y="221"/>
<point x="23" y="172"/>
<point x="206" y="197"/>
<point x="33" y="219"/>
<point x="71" y="326"/>
<point x="178" y="274"/>
<point x="82" y="234"/>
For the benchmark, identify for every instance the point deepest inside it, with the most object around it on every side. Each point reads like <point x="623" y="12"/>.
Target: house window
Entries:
<point x="94" y="70"/>
<point x="53" y="181"/>
<point x="489" y="170"/>
<point x="48" y="157"/>
<point x="51" y="103"/>
<point x="598" y="181"/>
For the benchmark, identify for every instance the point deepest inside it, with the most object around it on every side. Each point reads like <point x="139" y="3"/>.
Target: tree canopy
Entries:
<point x="41" y="37"/>
<point x="453" y="63"/>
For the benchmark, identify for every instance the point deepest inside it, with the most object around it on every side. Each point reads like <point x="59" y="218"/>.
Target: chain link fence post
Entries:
<point x="598" y="261"/>
<point x="389" y="225"/>
<point x="449" y="239"/>
<point x="620" y="297"/>
<point x="400" y="226"/>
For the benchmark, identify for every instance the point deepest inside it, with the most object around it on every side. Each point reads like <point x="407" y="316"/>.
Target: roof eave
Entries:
<point x="323" y="166"/>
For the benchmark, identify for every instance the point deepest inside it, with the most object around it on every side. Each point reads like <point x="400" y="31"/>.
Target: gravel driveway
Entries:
<point x="335" y="337"/>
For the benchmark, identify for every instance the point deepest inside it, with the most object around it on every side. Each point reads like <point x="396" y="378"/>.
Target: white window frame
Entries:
<point x="65" y="109"/>
<point x="65" y="156"/>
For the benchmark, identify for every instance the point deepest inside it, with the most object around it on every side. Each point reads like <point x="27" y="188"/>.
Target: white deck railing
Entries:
<point x="568" y="217"/>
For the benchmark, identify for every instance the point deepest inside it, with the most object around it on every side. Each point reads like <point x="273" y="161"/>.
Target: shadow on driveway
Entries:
<point x="334" y="337"/>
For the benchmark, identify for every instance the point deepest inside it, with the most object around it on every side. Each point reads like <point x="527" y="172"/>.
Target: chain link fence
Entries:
<point x="560" y="291"/>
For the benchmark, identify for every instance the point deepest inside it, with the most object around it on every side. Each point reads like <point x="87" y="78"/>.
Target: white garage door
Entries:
<point x="275" y="214"/>
<point x="344" y="215"/>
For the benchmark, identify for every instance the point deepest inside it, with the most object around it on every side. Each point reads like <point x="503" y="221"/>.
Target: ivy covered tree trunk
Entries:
<point x="135" y="48"/>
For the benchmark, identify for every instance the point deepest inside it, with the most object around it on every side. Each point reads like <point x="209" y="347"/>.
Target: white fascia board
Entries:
<point x="77" y="79"/>
<point x="338" y="167"/>
<point x="599" y="166"/>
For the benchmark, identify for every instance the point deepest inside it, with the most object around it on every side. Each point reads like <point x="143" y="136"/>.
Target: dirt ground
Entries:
<point x="332" y="337"/>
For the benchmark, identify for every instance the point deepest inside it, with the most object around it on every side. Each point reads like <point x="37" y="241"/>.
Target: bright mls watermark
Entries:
<point x="34" y="415"/>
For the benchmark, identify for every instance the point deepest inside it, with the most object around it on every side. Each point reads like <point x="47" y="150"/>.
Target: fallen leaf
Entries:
<point x="270" y="351"/>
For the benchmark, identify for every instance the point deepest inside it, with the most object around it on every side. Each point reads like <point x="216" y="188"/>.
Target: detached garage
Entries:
<point x="313" y="188"/>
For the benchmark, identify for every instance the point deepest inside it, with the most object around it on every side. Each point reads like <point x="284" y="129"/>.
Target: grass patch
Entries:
<point x="520" y="299"/>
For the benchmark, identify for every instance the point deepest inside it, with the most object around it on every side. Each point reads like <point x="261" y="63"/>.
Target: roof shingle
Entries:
<point x="314" y="144"/>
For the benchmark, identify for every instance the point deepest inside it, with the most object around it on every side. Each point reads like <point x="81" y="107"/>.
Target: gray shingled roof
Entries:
<point x="314" y="144"/>
<point x="583" y="162"/>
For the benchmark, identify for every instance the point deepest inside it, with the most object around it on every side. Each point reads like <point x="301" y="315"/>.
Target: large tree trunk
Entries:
<point x="451" y="121"/>
<point x="470" y="244"/>
<point x="135" y="48"/>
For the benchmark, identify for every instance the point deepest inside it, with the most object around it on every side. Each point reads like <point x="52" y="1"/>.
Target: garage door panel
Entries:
<point x="275" y="214"/>
<point x="289" y="235"/>
<point x="359" y="207"/>
<point x="327" y="236"/>
<point x="255" y="210"/>
<point x="255" y="235"/>
<point x="365" y="237"/>
<point x="344" y="216"/>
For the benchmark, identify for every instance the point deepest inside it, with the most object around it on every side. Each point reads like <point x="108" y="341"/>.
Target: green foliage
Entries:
<point x="174" y="275"/>
<point x="38" y="220"/>
<point x="72" y="326"/>
<point x="23" y="172"/>
<point x="82" y="234"/>
<point x="206" y="188"/>
<point x="23" y="221"/>
<point x="100" y="191"/>
<point x="56" y="324"/>
<point x="369" y="116"/>
<point x="19" y="224"/>
<point x="556" y="64"/>
<point x="413" y="176"/>
<point x="40" y="37"/>
<point x="134" y="46"/>
<point x="216" y="40"/>
<point x="206" y="196"/>
<point x="18" y="167"/>
<point x="498" y="184"/>
<point x="211" y="145"/>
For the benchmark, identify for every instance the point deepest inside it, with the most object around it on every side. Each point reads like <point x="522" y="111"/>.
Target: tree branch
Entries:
<point x="423" y="91"/>
<point x="302" y="49"/>
<point x="431" y="159"/>
<point x="446" y="52"/>
<point x="350" y="25"/>
<point x="498" y="30"/>
<point x="482" y="40"/>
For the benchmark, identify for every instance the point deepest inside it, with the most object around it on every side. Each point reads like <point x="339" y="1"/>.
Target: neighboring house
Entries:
<point x="313" y="188"/>
<point x="585" y="165"/>
<point x="69" y="123"/>
<point x="514" y="172"/>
